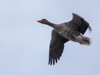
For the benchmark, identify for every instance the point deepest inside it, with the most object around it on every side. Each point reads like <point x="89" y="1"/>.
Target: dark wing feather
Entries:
<point x="56" y="47"/>
<point x="81" y="24"/>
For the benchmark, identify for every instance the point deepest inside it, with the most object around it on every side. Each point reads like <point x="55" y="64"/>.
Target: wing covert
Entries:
<point x="81" y="23"/>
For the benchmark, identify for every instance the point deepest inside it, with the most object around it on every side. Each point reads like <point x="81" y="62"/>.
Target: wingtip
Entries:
<point x="90" y="28"/>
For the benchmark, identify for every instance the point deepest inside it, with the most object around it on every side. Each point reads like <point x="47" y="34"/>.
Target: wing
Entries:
<point x="56" y="47"/>
<point x="80" y="23"/>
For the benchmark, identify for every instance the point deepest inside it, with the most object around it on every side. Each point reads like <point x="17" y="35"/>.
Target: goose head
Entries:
<point x="43" y="21"/>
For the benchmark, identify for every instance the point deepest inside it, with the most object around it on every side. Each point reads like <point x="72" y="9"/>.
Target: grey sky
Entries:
<point x="24" y="43"/>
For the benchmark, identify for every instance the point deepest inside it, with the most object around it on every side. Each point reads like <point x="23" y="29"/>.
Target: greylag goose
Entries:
<point x="73" y="30"/>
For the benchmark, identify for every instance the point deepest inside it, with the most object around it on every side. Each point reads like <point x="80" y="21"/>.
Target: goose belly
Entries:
<point x="80" y="38"/>
<point x="71" y="36"/>
<point x="68" y="35"/>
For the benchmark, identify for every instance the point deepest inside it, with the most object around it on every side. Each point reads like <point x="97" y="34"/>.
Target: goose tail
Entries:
<point x="86" y="40"/>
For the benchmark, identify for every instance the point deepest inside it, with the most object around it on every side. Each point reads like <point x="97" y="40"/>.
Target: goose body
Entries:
<point x="73" y="35"/>
<point x="73" y="30"/>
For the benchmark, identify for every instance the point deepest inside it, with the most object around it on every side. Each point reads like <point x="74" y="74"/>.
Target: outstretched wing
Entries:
<point x="56" y="47"/>
<point x="80" y="23"/>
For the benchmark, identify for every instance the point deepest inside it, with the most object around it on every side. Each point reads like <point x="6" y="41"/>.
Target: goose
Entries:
<point x="68" y="31"/>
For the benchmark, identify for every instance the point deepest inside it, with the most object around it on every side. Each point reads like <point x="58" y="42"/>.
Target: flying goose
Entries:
<point x="73" y="30"/>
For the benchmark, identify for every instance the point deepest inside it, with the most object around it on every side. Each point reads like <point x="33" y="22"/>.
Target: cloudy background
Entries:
<point x="24" y="43"/>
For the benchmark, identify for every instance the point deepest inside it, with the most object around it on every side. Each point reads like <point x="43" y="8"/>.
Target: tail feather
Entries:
<point x="85" y="40"/>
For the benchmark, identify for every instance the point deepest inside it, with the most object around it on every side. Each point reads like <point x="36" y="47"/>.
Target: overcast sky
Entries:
<point x="24" y="43"/>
